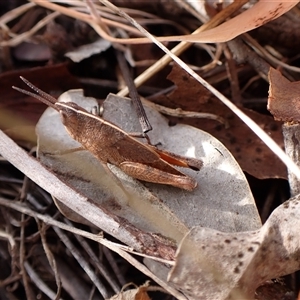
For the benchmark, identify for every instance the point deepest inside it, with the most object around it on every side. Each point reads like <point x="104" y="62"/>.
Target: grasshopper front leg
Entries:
<point x="150" y="174"/>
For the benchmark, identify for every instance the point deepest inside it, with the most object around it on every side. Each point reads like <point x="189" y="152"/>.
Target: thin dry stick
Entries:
<point x="179" y="113"/>
<point x="50" y="257"/>
<point x="35" y="277"/>
<point x="248" y="121"/>
<point x="28" y="290"/>
<point x="95" y="261"/>
<point x="82" y="262"/>
<point x="133" y="93"/>
<point x="9" y="237"/>
<point x="113" y="264"/>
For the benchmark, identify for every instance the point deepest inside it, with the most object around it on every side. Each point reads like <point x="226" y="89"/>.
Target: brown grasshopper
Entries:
<point x="110" y="144"/>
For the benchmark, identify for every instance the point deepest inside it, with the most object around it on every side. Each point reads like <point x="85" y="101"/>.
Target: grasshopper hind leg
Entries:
<point x="150" y="174"/>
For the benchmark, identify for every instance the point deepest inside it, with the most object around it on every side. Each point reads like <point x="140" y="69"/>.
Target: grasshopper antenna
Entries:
<point x="41" y="95"/>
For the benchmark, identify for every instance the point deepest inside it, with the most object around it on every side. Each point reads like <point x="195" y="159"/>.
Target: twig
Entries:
<point x="39" y="282"/>
<point x="179" y="113"/>
<point x="145" y="124"/>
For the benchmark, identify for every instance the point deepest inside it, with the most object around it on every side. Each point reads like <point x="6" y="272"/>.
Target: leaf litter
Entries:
<point x="166" y="216"/>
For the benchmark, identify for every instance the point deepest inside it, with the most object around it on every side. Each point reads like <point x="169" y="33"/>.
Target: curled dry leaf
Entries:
<point x="217" y="265"/>
<point x="284" y="98"/>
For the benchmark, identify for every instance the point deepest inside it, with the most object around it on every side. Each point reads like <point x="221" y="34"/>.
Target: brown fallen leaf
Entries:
<point x="284" y="98"/>
<point x="250" y="152"/>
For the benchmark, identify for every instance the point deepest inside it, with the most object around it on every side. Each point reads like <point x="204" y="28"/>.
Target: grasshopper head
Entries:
<point x="71" y="116"/>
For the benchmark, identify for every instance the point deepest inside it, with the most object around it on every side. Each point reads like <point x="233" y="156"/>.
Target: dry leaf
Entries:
<point x="217" y="265"/>
<point x="222" y="201"/>
<point x="284" y="98"/>
<point x="212" y="204"/>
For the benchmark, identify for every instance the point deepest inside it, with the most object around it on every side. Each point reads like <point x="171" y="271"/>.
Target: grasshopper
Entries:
<point x="110" y="144"/>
